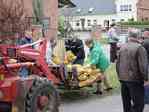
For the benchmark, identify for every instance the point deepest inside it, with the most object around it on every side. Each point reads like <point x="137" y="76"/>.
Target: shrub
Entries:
<point x="135" y="23"/>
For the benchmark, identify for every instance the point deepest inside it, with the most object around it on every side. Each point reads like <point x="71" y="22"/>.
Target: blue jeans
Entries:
<point x="146" y="98"/>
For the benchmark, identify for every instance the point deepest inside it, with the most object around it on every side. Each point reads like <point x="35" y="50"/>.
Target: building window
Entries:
<point x="146" y="19"/>
<point x="89" y="22"/>
<point x="95" y="22"/>
<point x="78" y="23"/>
<point x="113" y="20"/>
<point x="121" y="7"/>
<point x="125" y="7"/>
<point x="130" y="7"/>
<point x="122" y="20"/>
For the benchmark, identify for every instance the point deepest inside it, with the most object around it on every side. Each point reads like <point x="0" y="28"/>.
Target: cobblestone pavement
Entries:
<point x="95" y="104"/>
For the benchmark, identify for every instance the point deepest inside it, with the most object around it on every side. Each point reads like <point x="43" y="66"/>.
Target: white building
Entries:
<point x="99" y="12"/>
<point x="126" y="9"/>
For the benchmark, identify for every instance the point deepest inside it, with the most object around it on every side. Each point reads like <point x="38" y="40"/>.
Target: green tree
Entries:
<point x="38" y="11"/>
<point x="61" y="26"/>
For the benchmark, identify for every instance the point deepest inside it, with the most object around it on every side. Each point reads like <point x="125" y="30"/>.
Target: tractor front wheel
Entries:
<point x="42" y="97"/>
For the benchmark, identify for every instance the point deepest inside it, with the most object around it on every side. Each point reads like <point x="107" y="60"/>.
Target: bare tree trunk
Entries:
<point x="12" y="18"/>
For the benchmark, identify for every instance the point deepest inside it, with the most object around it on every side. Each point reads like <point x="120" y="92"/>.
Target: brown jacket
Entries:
<point x="132" y="62"/>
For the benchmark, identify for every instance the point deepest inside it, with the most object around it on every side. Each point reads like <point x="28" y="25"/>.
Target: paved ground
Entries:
<point x="110" y="103"/>
<point x="95" y="104"/>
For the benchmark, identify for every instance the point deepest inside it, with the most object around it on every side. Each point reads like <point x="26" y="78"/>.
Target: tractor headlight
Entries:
<point x="1" y="95"/>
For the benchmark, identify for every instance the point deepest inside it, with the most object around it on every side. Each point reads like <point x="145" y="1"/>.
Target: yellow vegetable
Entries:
<point x="80" y="69"/>
<point x="66" y="62"/>
<point x="77" y="66"/>
<point x="70" y="56"/>
<point x="83" y="83"/>
<point x="87" y="75"/>
<point x="69" y="67"/>
<point x="14" y="109"/>
<point x="96" y="71"/>
<point x="83" y="77"/>
<point x="91" y="79"/>
<point x="56" y="60"/>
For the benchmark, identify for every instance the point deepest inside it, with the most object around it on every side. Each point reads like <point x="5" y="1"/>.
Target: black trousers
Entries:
<point x="79" y="61"/>
<point x="113" y="52"/>
<point x="132" y="96"/>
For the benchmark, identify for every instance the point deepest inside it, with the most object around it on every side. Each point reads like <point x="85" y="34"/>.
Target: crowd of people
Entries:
<point x="132" y="69"/>
<point x="132" y="60"/>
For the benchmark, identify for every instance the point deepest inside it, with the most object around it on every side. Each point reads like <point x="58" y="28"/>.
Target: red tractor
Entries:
<point x="34" y="93"/>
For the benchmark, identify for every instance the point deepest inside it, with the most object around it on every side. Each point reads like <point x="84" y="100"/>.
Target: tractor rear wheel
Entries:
<point x="42" y="97"/>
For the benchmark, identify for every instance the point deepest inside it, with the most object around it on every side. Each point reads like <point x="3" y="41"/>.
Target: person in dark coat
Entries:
<point x="113" y="40"/>
<point x="146" y="40"/>
<point x="145" y="44"/>
<point x="76" y="46"/>
<point x="131" y="67"/>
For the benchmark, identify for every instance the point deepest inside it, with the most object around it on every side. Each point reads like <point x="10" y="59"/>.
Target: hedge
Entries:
<point x="135" y="23"/>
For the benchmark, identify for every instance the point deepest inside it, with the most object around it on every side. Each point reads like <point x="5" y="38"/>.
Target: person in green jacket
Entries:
<point x="98" y="59"/>
<point x="97" y="56"/>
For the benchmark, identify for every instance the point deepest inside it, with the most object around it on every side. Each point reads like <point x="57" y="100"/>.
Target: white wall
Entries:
<point x="118" y="16"/>
<point x="126" y="14"/>
<point x="100" y="20"/>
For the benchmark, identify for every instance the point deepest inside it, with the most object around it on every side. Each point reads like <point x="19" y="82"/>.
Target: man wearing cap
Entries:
<point x="132" y="72"/>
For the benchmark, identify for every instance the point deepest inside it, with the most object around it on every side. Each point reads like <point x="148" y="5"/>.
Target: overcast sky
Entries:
<point x="98" y="4"/>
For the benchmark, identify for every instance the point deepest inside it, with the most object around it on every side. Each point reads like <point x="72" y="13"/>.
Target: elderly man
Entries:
<point x="132" y="72"/>
<point x="98" y="59"/>
<point x="96" y="34"/>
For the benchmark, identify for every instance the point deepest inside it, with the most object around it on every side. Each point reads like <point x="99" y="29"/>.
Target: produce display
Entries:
<point x="86" y="75"/>
<point x="69" y="58"/>
<point x="56" y="60"/>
